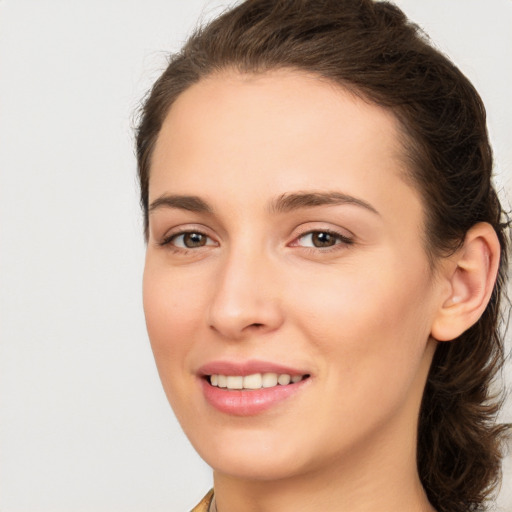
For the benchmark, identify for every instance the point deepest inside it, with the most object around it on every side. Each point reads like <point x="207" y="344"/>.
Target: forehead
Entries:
<point x="281" y="106"/>
<point x="277" y="131"/>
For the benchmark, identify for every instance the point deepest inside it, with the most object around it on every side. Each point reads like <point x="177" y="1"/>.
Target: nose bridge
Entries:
<point x="245" y="297"/>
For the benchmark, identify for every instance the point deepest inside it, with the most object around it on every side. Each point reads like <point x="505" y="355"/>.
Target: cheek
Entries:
<point x="172" y="307"/>
<point x="371" y="320"/>
<point x="370" y="331"/>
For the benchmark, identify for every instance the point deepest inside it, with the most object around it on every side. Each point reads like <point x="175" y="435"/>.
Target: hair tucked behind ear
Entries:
<point x="371" y="49"/>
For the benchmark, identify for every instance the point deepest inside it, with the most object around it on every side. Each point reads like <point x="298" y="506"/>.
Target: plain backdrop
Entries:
<point x="84" y="424"/>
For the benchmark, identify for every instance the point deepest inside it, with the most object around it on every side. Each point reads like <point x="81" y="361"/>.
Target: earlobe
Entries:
<point x="471" y="278"/>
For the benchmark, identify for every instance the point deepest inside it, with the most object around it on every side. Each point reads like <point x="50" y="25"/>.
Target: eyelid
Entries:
<point x="322" y="227"/>
<point x="171" y="234"/>
<point x="343" y="236"/>
<point x="173" y="238"/>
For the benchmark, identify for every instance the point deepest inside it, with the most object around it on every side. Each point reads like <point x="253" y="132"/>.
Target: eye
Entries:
<point x="189" y="240"/>
<point x="322" y="239"/>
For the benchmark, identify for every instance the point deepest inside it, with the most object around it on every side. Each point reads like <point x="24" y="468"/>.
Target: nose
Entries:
<point x="246" y="299"/>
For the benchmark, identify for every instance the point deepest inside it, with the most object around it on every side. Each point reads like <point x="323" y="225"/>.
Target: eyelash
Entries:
<point x="340" y="240"/>
<point x="167" y="241"/>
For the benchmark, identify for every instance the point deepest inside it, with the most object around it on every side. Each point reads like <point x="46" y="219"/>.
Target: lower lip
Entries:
<point x="248" y="402"/>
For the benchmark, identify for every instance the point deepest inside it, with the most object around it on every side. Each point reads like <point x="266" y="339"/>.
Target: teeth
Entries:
<point x="284" y="379"/>
<point x="235" y="382"/>
<point x="269" y="380"/>
<point x="222" y="381"/>
<point x="254" y="381"/>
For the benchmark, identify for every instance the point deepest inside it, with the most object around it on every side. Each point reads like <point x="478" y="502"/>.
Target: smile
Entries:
<point x="254" y="381"/>
<point x="251" y="387"/>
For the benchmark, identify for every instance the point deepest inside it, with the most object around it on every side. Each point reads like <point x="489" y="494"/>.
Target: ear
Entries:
<point x="470" y="274"/>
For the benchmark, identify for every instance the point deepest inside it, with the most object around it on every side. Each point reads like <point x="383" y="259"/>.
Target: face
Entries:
<point x="286" y="261"/>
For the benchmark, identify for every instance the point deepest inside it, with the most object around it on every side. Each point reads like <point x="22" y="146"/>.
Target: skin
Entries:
<point x="357" y="316"/>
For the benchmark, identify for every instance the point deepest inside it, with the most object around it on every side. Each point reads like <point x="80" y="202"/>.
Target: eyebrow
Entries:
<point x="282" y="204"/>
<point x="190" y="203"/>
<point x="294" y="201"/>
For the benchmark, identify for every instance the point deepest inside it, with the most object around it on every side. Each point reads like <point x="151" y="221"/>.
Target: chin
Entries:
<point x="252" y="455"/>
<point x="262" y="468"/>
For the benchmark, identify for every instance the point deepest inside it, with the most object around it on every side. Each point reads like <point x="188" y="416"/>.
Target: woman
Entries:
<point x="325" y="260"/>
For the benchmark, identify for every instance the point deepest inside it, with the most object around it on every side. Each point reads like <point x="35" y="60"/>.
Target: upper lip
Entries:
<point x="248" y="367"/>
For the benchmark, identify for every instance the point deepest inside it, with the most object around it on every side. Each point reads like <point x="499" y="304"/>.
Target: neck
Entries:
<point x="372" y="484"/>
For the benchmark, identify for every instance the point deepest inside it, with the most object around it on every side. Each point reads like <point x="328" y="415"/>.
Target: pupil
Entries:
<point x="194" y="240"/>
<point x="323" y="239"/>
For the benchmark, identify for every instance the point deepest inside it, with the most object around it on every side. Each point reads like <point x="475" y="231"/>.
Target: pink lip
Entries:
<point x="247" y="402"/>
<point x="247" y="368"/>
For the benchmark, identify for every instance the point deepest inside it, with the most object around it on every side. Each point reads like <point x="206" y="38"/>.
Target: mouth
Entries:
<point x="253" y="382"/>
<point x="250" y="388"/>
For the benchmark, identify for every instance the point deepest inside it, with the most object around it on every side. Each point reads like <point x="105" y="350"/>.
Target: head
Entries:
<point x="422" y="140"/>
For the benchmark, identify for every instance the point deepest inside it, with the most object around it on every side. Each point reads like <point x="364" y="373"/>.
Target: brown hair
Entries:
<point x="372" y="49"/>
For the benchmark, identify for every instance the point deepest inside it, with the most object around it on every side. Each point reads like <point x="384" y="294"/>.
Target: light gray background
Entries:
<point x="84" y="424"/>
